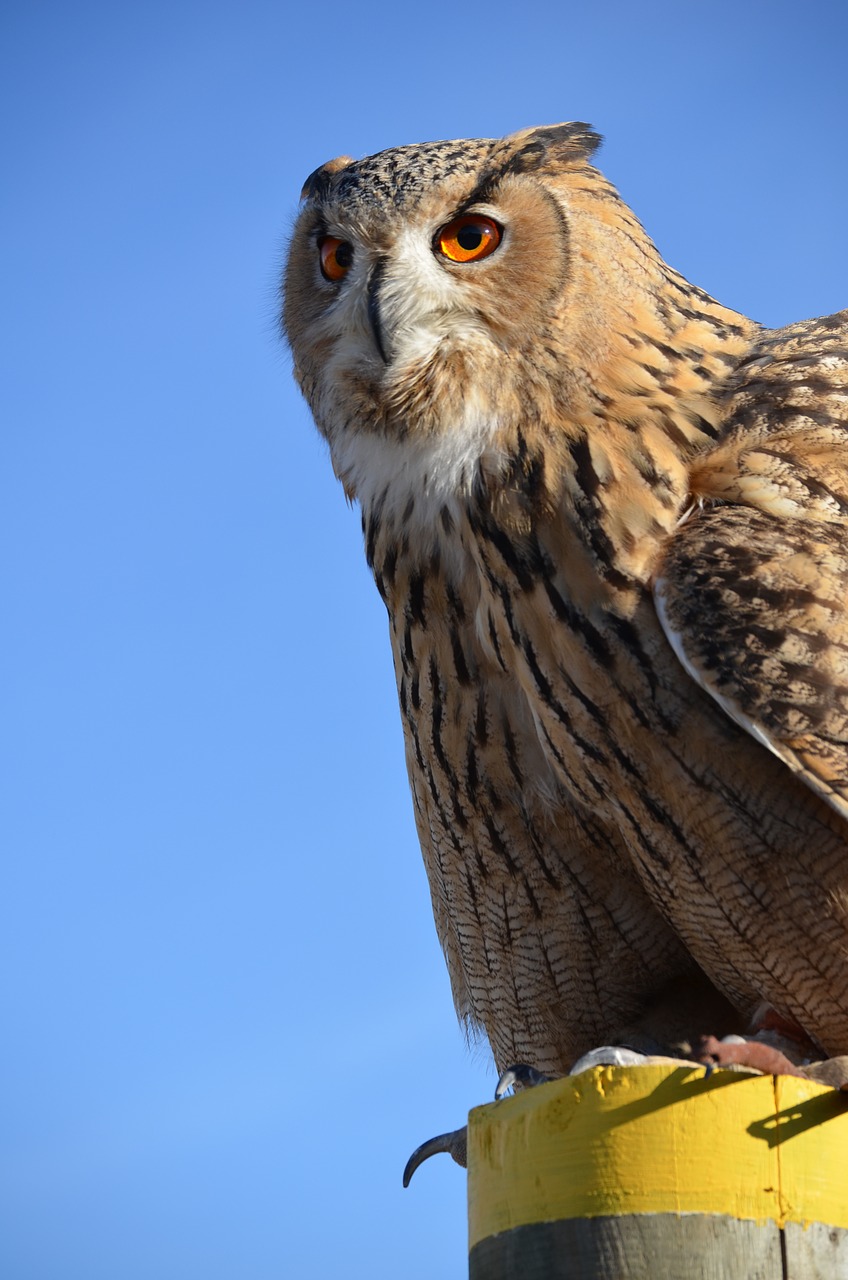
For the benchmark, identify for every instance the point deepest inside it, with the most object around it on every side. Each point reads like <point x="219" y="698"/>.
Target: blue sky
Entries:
<point x="226" y="1018"/>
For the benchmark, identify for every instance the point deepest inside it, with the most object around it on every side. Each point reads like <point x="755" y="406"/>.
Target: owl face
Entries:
<point x="421" y="284"/>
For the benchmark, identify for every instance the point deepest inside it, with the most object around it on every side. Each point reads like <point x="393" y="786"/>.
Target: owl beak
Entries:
<point x="375" y="280"/>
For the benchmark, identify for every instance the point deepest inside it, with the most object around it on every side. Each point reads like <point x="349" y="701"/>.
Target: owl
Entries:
<point x="608" y="517"/>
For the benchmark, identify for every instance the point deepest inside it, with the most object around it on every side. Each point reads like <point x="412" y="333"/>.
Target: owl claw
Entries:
<point x="455" y="1144"/>
<point x="519" y="1074"/>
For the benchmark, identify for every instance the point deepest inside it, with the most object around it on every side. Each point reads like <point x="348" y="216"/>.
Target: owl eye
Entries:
<point x="336" y="257"/>
<point x="468" y="238"/>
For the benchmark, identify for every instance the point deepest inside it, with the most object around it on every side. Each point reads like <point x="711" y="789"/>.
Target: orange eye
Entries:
<point x="336" y="257"/>
<point x="468" y="238"/>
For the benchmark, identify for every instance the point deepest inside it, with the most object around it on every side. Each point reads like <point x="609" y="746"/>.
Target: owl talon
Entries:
<point x="519" y="1074"/>
<point x="455" y="1144"/>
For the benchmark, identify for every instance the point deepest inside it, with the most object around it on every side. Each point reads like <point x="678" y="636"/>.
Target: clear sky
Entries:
<point x="226" y="1020"/>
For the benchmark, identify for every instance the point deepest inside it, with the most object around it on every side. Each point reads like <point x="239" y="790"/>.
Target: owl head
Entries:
<point x="436" y="294"/>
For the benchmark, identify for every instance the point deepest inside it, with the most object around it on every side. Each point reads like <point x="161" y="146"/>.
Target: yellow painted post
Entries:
<point x="660" y="1173"/>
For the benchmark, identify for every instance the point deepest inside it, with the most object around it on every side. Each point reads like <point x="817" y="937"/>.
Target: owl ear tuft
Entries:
<point x="562" y="143"/>
<point x="317" y="183"/>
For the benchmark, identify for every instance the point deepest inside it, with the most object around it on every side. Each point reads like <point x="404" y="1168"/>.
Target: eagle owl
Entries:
<point x="607" y="516"/>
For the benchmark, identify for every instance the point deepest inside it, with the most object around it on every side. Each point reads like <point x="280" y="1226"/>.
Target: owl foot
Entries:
<point x="607" y="1055"/>
<point x="519" y="1074"/>
<point x="455" y="1144"/>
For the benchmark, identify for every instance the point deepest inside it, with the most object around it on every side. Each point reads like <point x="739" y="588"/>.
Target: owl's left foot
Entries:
<point x="456" y="1143"/>
<point x="521" y="1075"/>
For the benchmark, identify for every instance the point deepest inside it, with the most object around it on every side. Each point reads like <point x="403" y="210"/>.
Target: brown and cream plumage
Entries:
<point x="607" y="516"/>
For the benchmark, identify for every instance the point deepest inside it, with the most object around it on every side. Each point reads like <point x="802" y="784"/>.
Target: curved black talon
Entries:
<point x="455" y="1144"/>
<point x="519" y="1074"/>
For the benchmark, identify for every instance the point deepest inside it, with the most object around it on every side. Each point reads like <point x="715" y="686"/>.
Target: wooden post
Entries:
<point x="660" y="1173"/>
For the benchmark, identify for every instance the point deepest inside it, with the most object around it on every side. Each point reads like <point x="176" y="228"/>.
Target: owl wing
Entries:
<point x="757" y="612"/>
<point x="753" y="590"/>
